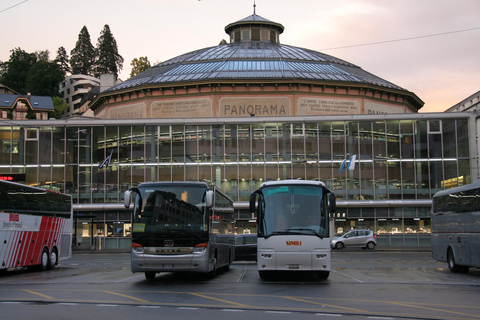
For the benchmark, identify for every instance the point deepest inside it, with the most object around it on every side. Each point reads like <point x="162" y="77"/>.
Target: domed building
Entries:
<point x="242" y="113"/>
<point x="253" y="75"/>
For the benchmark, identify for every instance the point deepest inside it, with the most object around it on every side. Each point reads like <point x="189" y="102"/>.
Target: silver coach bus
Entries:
<point x="181" y="227"/>
<point x="456" y="227"/>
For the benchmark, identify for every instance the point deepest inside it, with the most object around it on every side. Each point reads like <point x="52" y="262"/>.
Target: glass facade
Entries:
<point x="398" y="161"/>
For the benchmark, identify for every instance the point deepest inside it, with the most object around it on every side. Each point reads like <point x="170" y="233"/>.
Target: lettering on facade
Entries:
<point x="261" y="106"/>
<point x="182" y="108"/>
<point x="325" y="106"/>
<point x="133" y="111"/>
<point x="380" y="108"/>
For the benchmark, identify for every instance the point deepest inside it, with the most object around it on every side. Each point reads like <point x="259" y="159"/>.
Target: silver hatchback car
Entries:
<point x="355" y="238"/>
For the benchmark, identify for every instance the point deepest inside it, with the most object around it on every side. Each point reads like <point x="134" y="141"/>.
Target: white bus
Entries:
<point x="293" y="227"/>
<point x="456" y="227"/>
<point x="35" y="227"/>
<point x="181" y="227"/>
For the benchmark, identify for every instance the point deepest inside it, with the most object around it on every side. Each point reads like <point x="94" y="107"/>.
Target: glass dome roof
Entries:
<point x="254" y="53"/>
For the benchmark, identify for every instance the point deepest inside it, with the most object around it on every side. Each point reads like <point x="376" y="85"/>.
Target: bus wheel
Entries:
<point x="322" y="275"/>
<point x="452" y="265"/>
<point x="265" y="275"/>
<point x="53" y="260"/>
<point x="150" y="275"/>
<point x="44" y="260"/>
<point x="212" y="274"/>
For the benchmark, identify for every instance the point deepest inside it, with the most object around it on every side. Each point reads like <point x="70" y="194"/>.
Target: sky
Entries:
<point x="428" y="47"/>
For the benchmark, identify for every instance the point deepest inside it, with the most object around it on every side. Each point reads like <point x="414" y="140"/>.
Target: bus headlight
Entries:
<point x="266" y="256"/>
<point x="137" y="248"/>
<point x="200" y="248"/>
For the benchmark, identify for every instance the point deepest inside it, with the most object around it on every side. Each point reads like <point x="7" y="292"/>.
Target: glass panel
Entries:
<point x="271" y="140"/>
<point x="421" y="136"/>
<point x="258" y="143"/>
<point x="462" y="138"/>
<point x="449" y="140"/>
<point x="393" y="139"/>
<point x="84" y="183"/>
<point x="151" y="143"/>
<point x="138" y="144"/>
<point x="6" y="146"/>
<point x="406" y="140"/>
<point x="45" y="141"/>
<point x="408" y="179"/>
<point x="17" y="149"/>
<point x="165" y="147"/>
<point x="423" y="181"/>
<point x="191" y="145"/>
<point x="205" y="144"/>
<point x="58" y="145"/>
<point x="125" y="145"/>
<point x="84" y="145"/>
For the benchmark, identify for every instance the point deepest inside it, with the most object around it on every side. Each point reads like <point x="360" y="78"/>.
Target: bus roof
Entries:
<point x="293" y="182"/>
<point x="471" y="186"/>
<point x="189" y="183"/>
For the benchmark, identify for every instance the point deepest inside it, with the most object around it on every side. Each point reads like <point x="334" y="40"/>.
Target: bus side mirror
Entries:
<point x="253" y="198"/>
<point x="209" y="199"/>
<point x="332" y="203"/>
<point x="127" y="199"/>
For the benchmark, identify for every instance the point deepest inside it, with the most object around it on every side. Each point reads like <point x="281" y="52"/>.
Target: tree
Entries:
<point x="43" y="78"/>
<point x="16" y="69"/>
<point x="62" y="60"/>
<point x="42" y="55"/>
<point x="139" y="65"/>
<point x="108" y="58"/>
<point x="83" y="55"/>
<point x="60" y="106"/>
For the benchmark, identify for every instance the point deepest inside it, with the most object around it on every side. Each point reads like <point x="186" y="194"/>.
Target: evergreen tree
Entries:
<point x="83" y="55"/>
<point x="108" y="58"/>
<point x="62" y="60"/>
<point x="16" y="69"/>
<point x="43" y="79"/>
<point x="139" y="65"/>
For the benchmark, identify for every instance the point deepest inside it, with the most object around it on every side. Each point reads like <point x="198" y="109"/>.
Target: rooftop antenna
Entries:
<point x="254" y="6"/>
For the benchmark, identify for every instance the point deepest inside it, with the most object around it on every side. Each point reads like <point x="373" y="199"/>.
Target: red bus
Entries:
<point x="35" y="227"/>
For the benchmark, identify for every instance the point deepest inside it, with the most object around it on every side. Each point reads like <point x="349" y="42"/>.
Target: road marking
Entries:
<point x="39" y="294"/>
<point x="233" y="310"/>
<point x="278" y="312"/>
<point x="343" y="274"/>
<point x="435" y="309"/>
<point x="324" y="304"/>
<point x="149" y="307"/>
<point x="381" y="318"/>
<point x="328" y="315"/>
<point x="107" y="305"/>
<point x="126" y="296"/>
<point x="220" y="300"/>
<point x="187" y="308"/>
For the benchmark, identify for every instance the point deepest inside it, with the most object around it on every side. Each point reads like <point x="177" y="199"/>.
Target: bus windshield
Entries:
<point x="293" y="209"/>
<point x="180" y="211"/>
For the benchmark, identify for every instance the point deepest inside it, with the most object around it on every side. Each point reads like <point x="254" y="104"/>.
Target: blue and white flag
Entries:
<point x="351" y="163"/>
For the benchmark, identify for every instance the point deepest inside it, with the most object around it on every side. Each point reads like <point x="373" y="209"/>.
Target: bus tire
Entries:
<point x="212" y="274"/>
<point x="52" y="262"/>
<point x="452" y="265"/>
<point x="150" y="275"/>
<point x="44" y="260"/>
<point x="265" y="275"/>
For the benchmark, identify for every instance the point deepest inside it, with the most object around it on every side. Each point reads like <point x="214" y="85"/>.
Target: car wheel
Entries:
<point x="371" y="245"/>
<point x="339" y="246"/>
